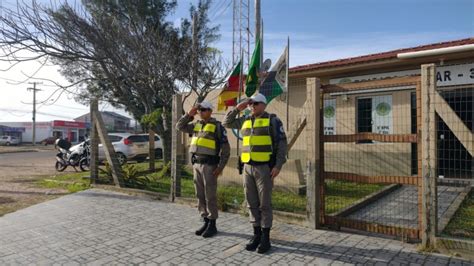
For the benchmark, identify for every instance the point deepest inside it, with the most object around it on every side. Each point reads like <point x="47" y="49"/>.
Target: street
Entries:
<point x="26" y="164"/>
<point x="18" y="174"/>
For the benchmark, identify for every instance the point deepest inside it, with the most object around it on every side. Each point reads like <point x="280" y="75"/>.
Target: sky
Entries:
<point x="319" y="30"/>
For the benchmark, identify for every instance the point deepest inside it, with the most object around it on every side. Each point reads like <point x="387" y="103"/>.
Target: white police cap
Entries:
<point x="206" y="105"/>
<point x="259" y="98"/>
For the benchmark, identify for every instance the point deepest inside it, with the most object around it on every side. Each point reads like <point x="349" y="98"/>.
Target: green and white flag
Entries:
<point x="276" y="81"/>
<point x="251" y="84"/>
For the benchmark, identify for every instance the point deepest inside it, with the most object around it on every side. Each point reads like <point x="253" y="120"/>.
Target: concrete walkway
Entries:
<point x="101" y="227"/>
<point x="400" y="207"/>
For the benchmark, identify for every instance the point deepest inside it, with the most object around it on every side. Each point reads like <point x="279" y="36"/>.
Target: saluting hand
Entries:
<point x="193" y="110"/>
<point x="241" y="106"/>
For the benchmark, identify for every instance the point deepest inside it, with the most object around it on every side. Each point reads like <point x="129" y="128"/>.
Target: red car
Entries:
<point x="49" y="140"/>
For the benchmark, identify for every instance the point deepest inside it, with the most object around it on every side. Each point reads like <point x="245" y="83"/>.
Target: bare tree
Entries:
<point x="207" y="69"/>
<point x="121" y="51"/>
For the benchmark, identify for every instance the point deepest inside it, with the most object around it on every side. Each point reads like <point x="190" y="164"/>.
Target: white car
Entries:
<point x="158" y="146"/>
<point x="9" y="140"/>
<point x="127" y="147"/>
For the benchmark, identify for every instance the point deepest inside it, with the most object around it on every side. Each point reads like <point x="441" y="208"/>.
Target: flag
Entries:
<point x="252" y="78"/>
<point x="276" y="80"/>
<point x="231" y="90"/>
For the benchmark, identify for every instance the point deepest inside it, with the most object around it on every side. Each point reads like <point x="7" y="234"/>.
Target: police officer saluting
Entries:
<point x="210" y="151"/>
<point x="264" y="148"/>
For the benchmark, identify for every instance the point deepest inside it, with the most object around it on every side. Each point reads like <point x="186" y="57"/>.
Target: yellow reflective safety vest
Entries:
<point x="257" y="141"/>
<point x="204" y="138"/>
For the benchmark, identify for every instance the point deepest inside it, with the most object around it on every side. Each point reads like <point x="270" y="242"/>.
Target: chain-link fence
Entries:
<point x="375" y="154"/>
<point x="289" y="187"/>
<point x="371" y="157"/>
<point x="455" y="164"/>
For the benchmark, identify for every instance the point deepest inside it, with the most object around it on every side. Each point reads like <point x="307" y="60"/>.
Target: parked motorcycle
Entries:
<point x="85" y="161"/>
<point x="76" y="156"/>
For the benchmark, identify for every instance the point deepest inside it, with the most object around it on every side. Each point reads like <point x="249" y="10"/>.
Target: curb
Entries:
<point x="286" y="217"/>
<point x="6" y="152"/>
<point x="462" y="247"/>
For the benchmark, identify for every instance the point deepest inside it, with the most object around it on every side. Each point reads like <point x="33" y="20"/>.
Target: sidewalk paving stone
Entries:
<point x="99" y="227"/>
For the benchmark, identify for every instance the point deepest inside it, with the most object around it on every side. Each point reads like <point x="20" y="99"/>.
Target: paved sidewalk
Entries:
<point x="101" y="227"/>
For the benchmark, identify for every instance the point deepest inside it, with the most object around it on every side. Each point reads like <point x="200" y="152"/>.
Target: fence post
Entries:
<point x="94" y="142"/>
<point x="177" y="153"/>
<point x="429" y="152"/>
<point x="313" y="167"/>
<point x="151" y="150"/>
<point x="109" y="150"/>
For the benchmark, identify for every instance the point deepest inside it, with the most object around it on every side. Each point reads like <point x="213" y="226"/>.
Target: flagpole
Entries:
<point x="240" y="92"/>
<point x="261" y="45"/>
<point x="287" y="85"/>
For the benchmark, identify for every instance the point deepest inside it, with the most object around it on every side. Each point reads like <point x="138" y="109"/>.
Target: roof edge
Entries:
<point x="378" y="56"/>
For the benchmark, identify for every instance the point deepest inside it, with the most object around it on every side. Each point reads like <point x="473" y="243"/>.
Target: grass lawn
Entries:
<point x="71" y="182"/>
<point x="462" y="224"/>
<point x="339" y="194"/>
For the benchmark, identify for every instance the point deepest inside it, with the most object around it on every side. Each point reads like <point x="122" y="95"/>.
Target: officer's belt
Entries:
<point x="253" y="163"/>
<point x="203" y="159"/>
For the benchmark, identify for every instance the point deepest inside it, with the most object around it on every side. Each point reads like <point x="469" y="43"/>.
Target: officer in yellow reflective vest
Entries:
<point x="264" y="149"/>
<point x="210" y="151"/>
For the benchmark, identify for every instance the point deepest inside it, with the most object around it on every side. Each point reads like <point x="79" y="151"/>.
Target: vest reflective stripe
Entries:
<point x="203" y="141"/>
<point x="208" y="143"/>
<point x="257" y="142"/>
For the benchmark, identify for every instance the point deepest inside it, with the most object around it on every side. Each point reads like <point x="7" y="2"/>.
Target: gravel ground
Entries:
<point x="19" y="172"/>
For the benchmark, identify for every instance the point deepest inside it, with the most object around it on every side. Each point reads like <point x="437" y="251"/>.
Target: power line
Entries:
<point x="222" y="11"/>
<point x="8" y="110"/>
<point x="75" y="108"/>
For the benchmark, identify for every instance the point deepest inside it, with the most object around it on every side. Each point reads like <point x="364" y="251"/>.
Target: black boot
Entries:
<point x="265" y="243"/>
<point x="211" y="229"/>
<point x="203" y="227"/>
<point x="255" y="241"/>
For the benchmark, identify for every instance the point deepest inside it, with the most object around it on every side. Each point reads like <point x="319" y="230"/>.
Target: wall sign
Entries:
<point x="329" y="113"/>
<point x="382" y="114"/>
<point x="449" y="75"/>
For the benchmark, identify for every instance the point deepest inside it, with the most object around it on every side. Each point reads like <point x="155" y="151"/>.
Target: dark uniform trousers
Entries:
<point x="258" y="192"/>
<point x="205" y="184"/>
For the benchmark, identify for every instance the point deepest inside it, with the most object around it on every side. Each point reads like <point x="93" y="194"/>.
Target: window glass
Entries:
<point x="364" y="115"/>
<point x="114" y="138"/>
<point x="138" y="138"/>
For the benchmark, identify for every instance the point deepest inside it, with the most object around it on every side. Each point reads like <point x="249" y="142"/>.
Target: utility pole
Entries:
<point x="34" y="89"/>
<point x="258" y="27"/>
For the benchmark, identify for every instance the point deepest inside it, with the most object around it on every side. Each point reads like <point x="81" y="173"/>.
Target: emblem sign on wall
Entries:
<point x="382" y="114"/>
<point x="329" y="113"/>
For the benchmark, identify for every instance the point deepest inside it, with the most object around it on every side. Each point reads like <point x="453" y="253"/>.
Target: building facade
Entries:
<point x="388" y="110"/>
<point x="74" y="131"/>
<point x="12" y="131"/>
<point x="113" y="122"/>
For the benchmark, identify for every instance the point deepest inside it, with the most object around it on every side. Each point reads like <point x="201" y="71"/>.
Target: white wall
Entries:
<point x="43" y="130"/>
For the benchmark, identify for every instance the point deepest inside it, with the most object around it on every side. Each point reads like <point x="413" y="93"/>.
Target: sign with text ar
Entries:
<point x="448" y="75"/>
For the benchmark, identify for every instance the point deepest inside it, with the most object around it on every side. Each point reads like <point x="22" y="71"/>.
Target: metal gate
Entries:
<point x="370" y="159"/>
